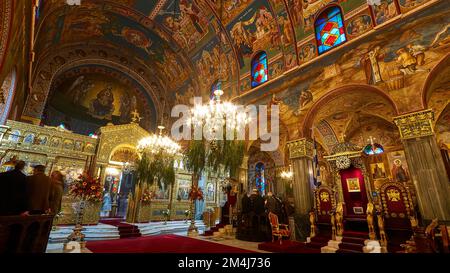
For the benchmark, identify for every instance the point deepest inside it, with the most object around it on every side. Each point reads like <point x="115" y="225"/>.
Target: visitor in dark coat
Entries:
<point x="38" y="191"/>
<point x="13" y="185"/>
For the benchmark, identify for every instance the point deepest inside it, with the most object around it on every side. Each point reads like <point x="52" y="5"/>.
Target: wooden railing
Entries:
<point x="28" y="234"/>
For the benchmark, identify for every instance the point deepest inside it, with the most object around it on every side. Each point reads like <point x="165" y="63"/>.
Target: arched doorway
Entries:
<point x="7" y="93"/>
<point x="119" y="181"/>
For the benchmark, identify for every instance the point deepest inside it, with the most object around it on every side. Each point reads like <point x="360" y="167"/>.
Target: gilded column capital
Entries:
<point x="300" y="148"/>
<point x="416" y="124"/>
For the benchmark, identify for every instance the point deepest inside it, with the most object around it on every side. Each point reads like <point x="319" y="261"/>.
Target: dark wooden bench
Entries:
<point x="27" y="234"/>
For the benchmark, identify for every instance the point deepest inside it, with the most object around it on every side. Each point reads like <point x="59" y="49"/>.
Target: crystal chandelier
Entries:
<point x="218" y="114"/>
<point x="158" y="144"/>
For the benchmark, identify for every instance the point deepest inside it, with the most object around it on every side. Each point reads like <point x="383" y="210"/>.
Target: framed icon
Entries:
<point x="353" y="184"/>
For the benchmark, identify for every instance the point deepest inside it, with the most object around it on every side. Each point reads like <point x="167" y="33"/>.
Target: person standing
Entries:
<point x="38" y="191"/>
<point x="56" y="191"/>
<point x="13" y="184"/>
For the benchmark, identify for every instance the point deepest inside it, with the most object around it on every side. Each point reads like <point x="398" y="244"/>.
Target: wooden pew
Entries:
<point x="25" y="234"/>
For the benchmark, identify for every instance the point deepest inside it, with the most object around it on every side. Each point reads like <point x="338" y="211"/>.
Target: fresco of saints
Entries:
<point x="399" y="173"/>
<point x="102" y="106"/>
<point x="371" y="67"/>
<point x="191" y="9"/>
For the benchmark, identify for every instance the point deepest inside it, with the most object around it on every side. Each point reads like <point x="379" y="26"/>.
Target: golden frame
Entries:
<point x="353" y="184"/>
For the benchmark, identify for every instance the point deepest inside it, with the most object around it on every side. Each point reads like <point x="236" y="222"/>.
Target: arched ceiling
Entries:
<point x="188" y="44"/>
<point x="355" y="116"/>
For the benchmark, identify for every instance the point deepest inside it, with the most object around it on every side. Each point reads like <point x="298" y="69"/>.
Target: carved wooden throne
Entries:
<point x="325" y="206"/>
<point x="397" y="211"/>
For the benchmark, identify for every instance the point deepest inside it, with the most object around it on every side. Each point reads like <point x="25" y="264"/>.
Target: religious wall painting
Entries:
<point x="384" y="11"/>
<point x="407" y="5"/>
<point x="42" y="140"/>
<point x="353" y="184"/>
<point x="184" y="186"/>
<point x="245" y="84"/>
<point x="211" y="62"/>
<point x="78" y="146"/>
<point x="68" y="144"/>
<point x="305" y="99"/>
<point x="359" y="25"/>
<point x="253" y="30"/>
<point x="55" y="142"/>
<point x="29" y="138"/>
<point x="186" y="20"/>
<point x="210" y="192"/>
<point x="310" y="9"/>
<point x="89" y="148"/>
<point x="276" y="68"/>
<point x="97" y="96"/>
<point x="84" y="23"/>
<point x="174" y="72"/>
<point x="377" y="171"/>
<point x="185" y="94"/>
<point x="398" y="166"/>
<point x="287" y="35"/>
<point x="161" y="192"/>
<point x="307" y="52"/>
<point x="230" y="9"/>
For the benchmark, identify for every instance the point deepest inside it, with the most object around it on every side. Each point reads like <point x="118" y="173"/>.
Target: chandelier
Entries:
<point x="373" y="148"/>
<point x="217" y="114"/>
<point x="158" y="144"/>
<point x="287" y="174"/>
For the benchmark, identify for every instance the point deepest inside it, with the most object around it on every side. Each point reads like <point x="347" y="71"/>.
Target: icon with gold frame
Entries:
<point x="353" y="184"/>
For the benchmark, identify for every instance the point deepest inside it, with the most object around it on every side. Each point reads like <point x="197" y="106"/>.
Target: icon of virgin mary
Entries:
<point x="102" y="106"/>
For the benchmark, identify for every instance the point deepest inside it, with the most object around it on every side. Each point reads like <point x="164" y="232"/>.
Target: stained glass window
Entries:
<point x="217" y="85"/>
<point x="329" y="28"/>
<point x="260" y="69"/>
<point x="260" y="178"/>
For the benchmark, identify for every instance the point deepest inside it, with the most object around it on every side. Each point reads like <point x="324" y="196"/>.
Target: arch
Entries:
<point x="8" y="90"/>
<point x="259" y="69"/>
<point x="353" y="88"/>
<point x="426" y="92"/>
<point x="329" y="28"/>
<point x="54" y="65"/>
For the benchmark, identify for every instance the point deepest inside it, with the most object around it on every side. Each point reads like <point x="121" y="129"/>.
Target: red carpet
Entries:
<point x="125" y="230"/>
<point x="161" y="244"/>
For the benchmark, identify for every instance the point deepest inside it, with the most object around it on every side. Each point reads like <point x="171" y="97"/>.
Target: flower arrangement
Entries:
<point x="166" y="212"/>
<point x="196" y="194"/>
<point x="87" y="188"/>
<point x="147" y="197"/>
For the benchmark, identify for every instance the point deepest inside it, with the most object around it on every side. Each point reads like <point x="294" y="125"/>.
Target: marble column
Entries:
<point x="300" y="154"/>
<point x="425" y="164"/>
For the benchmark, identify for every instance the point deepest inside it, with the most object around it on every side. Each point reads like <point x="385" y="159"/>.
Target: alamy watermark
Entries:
<point x="210" y="125"/>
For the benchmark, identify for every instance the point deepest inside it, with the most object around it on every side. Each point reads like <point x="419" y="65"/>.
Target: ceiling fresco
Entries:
<point x="190" y="35"/>
<point x="98" y="95"/>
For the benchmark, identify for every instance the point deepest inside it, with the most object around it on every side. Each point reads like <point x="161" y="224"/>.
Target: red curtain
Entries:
<point x="354" y="199"/>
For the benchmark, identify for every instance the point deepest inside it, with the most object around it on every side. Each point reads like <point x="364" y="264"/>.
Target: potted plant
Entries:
<point x="89" y="192"/>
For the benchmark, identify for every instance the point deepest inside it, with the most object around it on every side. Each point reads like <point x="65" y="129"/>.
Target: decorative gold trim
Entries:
<point x="300" y="148"/>
<point x="417" y="124"/>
